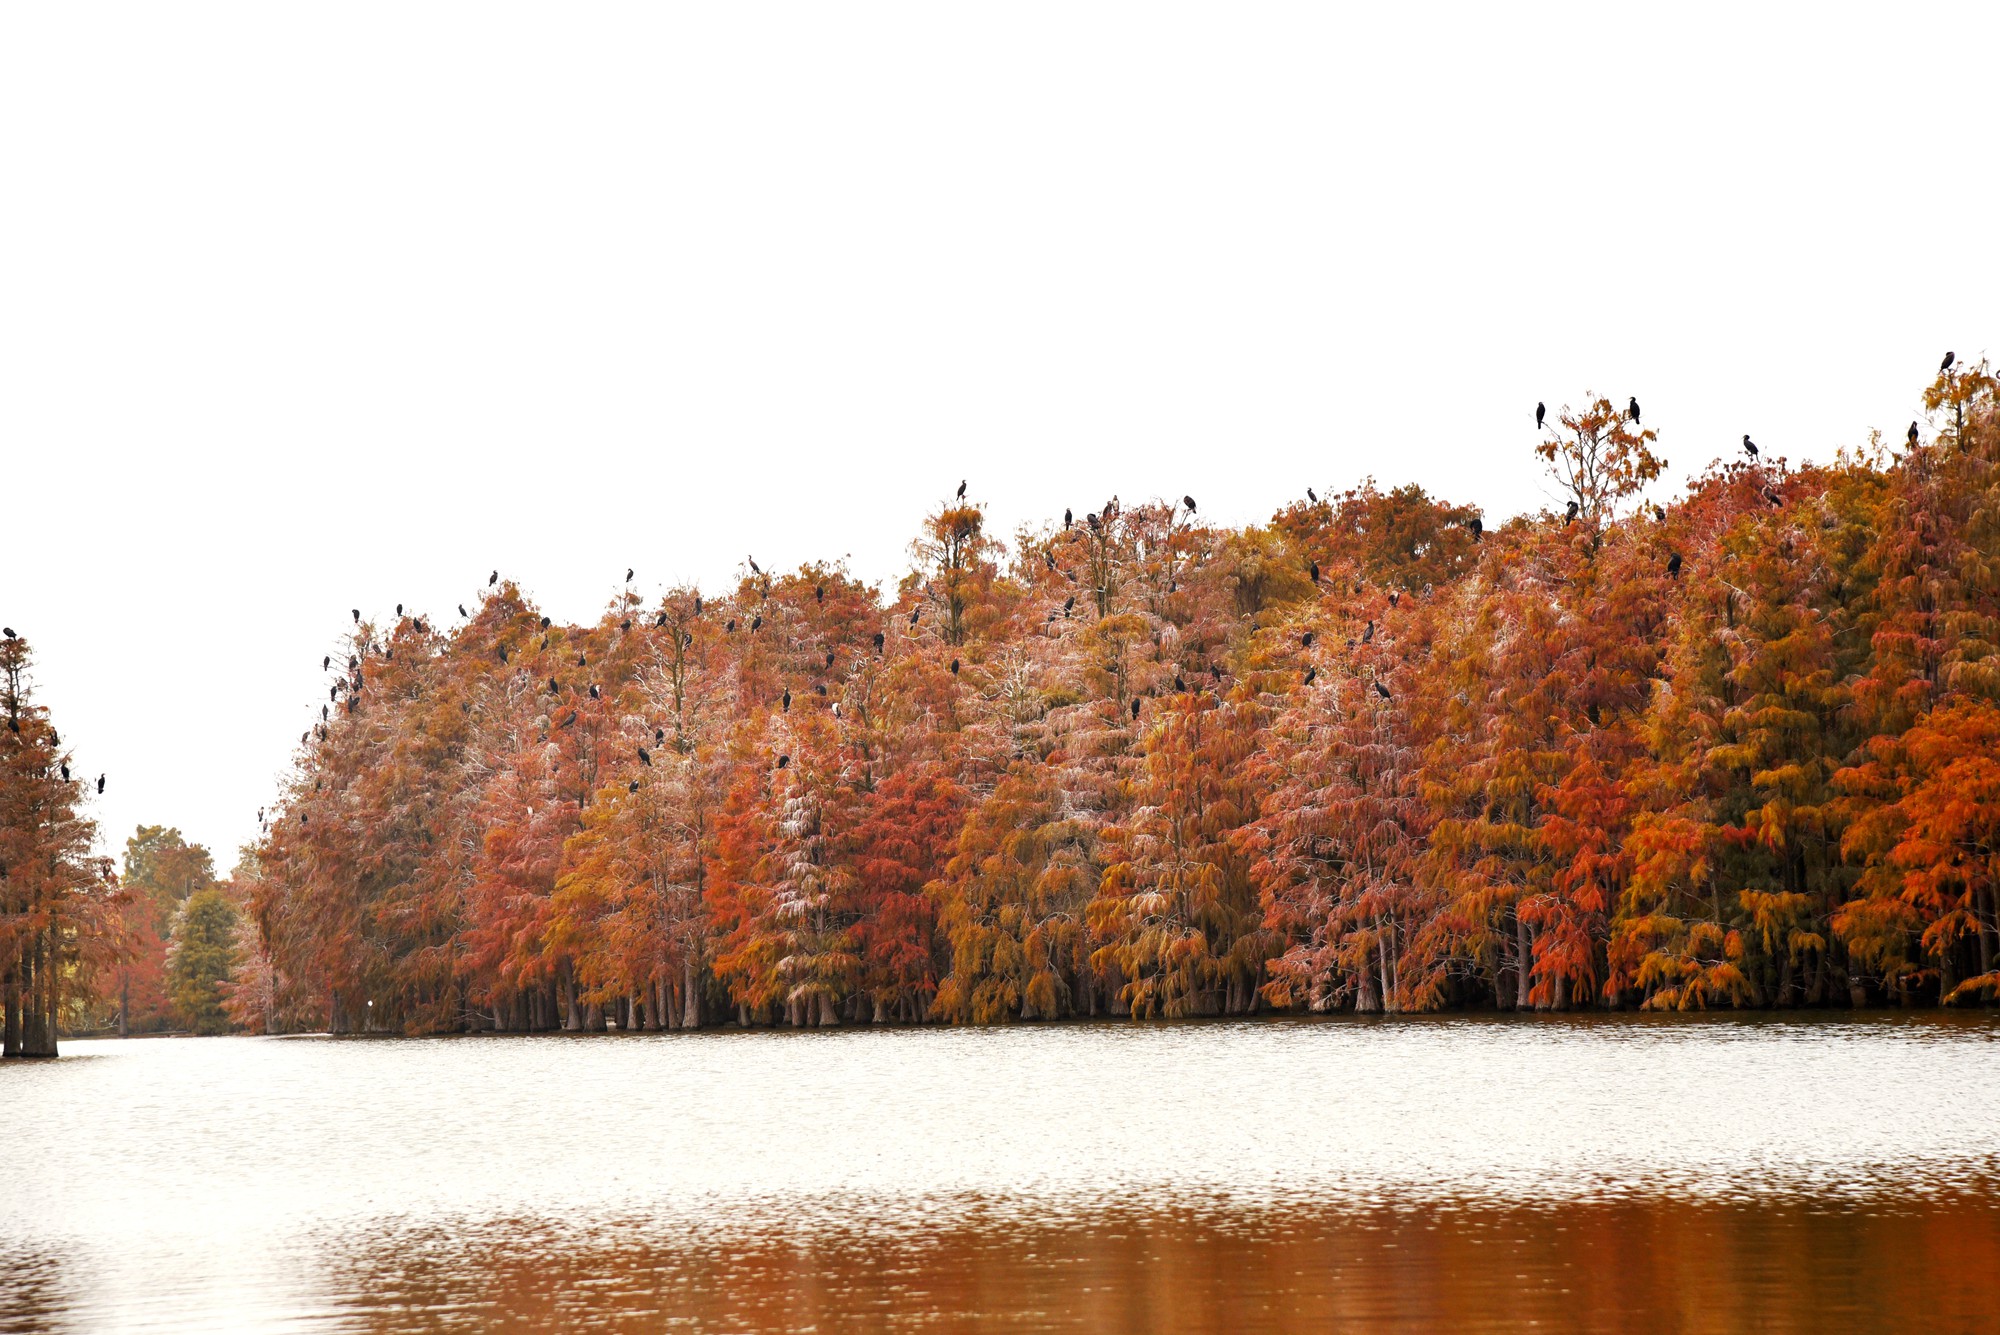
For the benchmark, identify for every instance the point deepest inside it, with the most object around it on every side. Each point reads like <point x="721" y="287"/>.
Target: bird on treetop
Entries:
<point x="1188" y="501"/>
<point x="1632" y="409"/>
<point x="1312" y="495"/>
<point x="1674" y="566"/>
<point x="1068" y="518"/>
<point x="628" y="574"/>
<point x="961" y="489"/>
<point x="1913" y="433"/>
<point x="492" y="579"/>
<point x="1945" y="365"/>
<point x="1749" y="447"/>
<point x="1381" y="690"/>
<point x="1541" y="412"/>
<point x="784" y="761"/>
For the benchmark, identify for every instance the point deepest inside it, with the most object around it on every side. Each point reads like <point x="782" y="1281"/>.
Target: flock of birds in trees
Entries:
<point x="1095" y="521"/>
<point x="55" y="738"/>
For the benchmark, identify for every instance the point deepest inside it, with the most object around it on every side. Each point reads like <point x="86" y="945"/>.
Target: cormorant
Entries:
<point x="784" y="761"/>
<point x="1674" y="566"/>
<point x="1188" y="501"/>
<point x="1306" y="640"/>
<point x="1633" y="409"/>
<point x="786" y="702"/>
<point x="492" y="579"/>
<point x="1945" y="365"/>
<point x="1381" y="690"/>
<point x="593" y="692"/>
<point x="1541" y="411"/>
<point x="1135" y="709"/>
<point x="878" y="641"/>
<point x="1749" y="448"/>
<point x="1311" y="673"/>
<point x="961" y="489"/>
<point x="628" y="574"/>
<point x="1913" y="433"/>
<point x="954" y="667"/>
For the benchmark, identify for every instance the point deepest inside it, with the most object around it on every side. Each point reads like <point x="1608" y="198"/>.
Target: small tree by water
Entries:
<point x="201" y="959"/>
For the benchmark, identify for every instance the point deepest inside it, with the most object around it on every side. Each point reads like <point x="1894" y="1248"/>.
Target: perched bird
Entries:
<point x="1048" y="554"/>
<point x="503" y="653"/>
<point x="1179" y="683"/>
<point x="545" y="623"/>
<point x="100" y="783"/>
<point x="1382" y="690"/>
<point x="819" y="593"/>
<point x="1570" y="514"/>
<point x="1306" y="640"/>
<point x="324" y="713"/>
<point x="1188" y="501"/>
<point x="357" y="615"/>
<point x="1749" y="448"/>
<point x="1315" y="572"/>
<point x="1674" y="566"/>
<point x="65" y="773"/>
<point x="961" y="489"/>
<point x="1069" y="520"/>
<point x="784" y="761"/>
<point x="1312" y="495"/>
<point x="1945" y="365"/>
<point x="333" y="691"/>
<point x="1135" y="709"/>
<point x="757" y="621"/>
<point x="786" y="702"/>
<point x="1368" y="635"/>
<point x="626" y="624"/>
<point x="553" y="688"/>
<point x="1093" y="521"/>
<point x="574" y="715"/>
<point x="593" y="692"/>
<point x="1394" y="598"/>
<point x="1311" y="674"/>
<point x="492" y="579"/>
<point x="954" y="667"/>
<point x="659" y="736"/>
<point x="697" y="605"/>
<point x="399" y="609"/>
<point x="1069" y="604"/>
<point x="632" y="787"/>
<point x="755" y="569"/>
<point x="628" y="574"/>
<point x="1913" y="433"/>
<point x="325" y="662"/>
<point x="1632" y="410"/>
<point x="913" y="614"/>
<point x="580" y="661"/>
<point x="660" y="620"/>
<point x="1215" y="671"/>
<point x="1541" y="411"/>
<point x="1773" y="497"/>
<point x="1659" y="514"/>
<point x="731" y="627"/>
<point x="879" y="638"/>
<point x="819" y="689"/>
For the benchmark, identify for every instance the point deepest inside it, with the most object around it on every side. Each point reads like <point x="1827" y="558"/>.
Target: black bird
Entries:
<point x="757" y="621"/>
<point x="1068" y="604"/>
<point x="1048" y="554"/>
<point x="1749" y="448"/>
<point x="819" y="689"/>
<point x="1069" y="519"/>
<point x="580" y="662"/>
<point x="659" y="621"/>
<point x="819" y="593"/>
<point x="786" y="702"/>
<point x="1312" y="495"/>
<point x="1368" y="635"/>
<point x="553" y="688"/>
<point x="399" y="609"/>
<point x="574" y="715"/>
<point x="492" y="579"/>
<point x="545" y="641"/>
<point x="325" y="662"/>
<point x="1179" y="683"/>
<point x="628" y="574"/>
<point x="659" y="736"/>
<point x="954" y="667"/>
<point x="1311" y="673"/>
<point x="503" y="653"/>
<point x="829" y="658"/>
<point x="1945" y="365"/>
<point x="731" y="627"/>
<point x="593" y="692"/>
<point x="1570" y="514"/>
<point x="784" y="761"/>
<point x="754" y="567"/>
<point x="324" y="713"/>
<point x="1674" y="566"/>
<point x="352" y="663"/>
<point x="1306" y="640"/>
<point x="333" y="691"/>
<point x="697" y="604"/>
<point x="1632" y="408"/>
<point x="632" y="787"/>
<point x="357" y="615"/>
<point x="1393" y="597"/>
<point x="878" y="641"/>
<point x="1215" y="671"/>
<point x="1093" y="521"/>
<point x="914" y="611"/>
<point x="1477" y="526"/>
<point x="1381" y="690"/>
<point x="1541" y="411"/>
<point x="9" y="630"/>
<point x="1773" y="497"/>
<point x="1135" y="709"/>
<point x="1315" y="572"/>
<point x="626" y="624"/>
<point x="1913" y="433"/>
<point x="1659" y="514"/>
<point x="65" y="773"/>
<point x="545" y="623"/>
<point x="1188" y="501"/>
<point x="961" y="489"/>
<point x="100" y="783"/>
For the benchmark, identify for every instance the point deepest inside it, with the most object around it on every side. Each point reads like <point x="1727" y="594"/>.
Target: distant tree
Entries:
<point x="200" y="960"/>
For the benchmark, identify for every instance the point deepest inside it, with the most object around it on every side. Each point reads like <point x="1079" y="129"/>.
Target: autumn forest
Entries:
<point x="1735" y="748"/>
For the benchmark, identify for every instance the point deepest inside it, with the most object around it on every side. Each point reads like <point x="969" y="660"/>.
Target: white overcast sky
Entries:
<point x="311" y="307"/>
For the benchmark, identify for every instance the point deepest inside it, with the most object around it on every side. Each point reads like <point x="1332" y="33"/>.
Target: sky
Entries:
<point x="305" y="308"/>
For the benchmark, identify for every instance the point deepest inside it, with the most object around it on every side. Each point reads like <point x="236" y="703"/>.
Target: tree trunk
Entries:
<point x="1524" y="962"/>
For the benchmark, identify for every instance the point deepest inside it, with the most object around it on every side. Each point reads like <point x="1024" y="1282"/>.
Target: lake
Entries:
<point x="1613" y="1173"/>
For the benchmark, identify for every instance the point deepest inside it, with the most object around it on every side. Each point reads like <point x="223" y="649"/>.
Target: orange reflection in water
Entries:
<point x="1778" y="1265"/>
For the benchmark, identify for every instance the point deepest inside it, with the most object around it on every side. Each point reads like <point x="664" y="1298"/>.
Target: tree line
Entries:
<point x="1375" y="754"/>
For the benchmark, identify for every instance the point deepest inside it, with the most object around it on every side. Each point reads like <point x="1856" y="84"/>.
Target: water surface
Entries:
<point x="1608" y="1173"/>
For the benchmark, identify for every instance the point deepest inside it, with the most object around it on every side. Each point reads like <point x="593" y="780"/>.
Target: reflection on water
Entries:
<point x="1615" y="1173"/>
